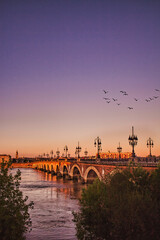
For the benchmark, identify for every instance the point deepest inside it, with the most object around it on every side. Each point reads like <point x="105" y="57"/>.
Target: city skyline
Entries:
<point x="58" y="57"/>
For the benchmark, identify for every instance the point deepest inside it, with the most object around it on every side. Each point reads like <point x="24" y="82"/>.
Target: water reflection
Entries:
<point x="54" y="199"/>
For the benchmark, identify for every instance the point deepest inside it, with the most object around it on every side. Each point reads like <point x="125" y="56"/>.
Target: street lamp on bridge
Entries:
<point x="75" y="153"/>
<point x="119" y="149"/>
<point x="66" y="150"/>
<point x="133" y="139"/>
<point x="86" y="152"/>
<point x="150" y="145"/>
<point x="97" y="142"/>
<point x="78" y="150"/>
<point x="51" y="152"/>
<point x="58" y="153"/>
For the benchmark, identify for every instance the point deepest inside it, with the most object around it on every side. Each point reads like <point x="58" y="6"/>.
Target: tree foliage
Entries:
<point x="14" y="216"/>
<point x="125" y="205"/>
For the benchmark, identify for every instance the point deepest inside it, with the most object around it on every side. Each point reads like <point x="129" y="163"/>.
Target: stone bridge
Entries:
<point x="79" y="170"/>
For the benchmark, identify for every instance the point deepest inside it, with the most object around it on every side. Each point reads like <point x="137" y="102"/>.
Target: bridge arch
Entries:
<point x="75" y="171"/>
<point x="35" y="166"/>
<point x="65" y="169"/>
<point x="48" y="167"/>
<point x="57" y="168"/>
<point x="114" y="171"/>
<point x="51" y="168"/>
<point x="92" y="173"/>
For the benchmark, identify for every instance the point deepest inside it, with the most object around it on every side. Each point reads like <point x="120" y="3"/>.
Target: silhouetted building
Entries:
<point x="115" y="155"/>
<point x="5" y="158"/>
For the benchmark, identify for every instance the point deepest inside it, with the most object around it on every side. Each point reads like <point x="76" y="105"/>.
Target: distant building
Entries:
<point x="5" y="158"/>
<point x="17" y="154"/>
<point x="115" y="155"/>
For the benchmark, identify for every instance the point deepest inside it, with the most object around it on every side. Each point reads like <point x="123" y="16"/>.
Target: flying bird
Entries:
<point x="114" y="99"/>
<point x="147" y="100"/>
<point x="130" y="108"/>
<point x="106" y="98"/>
<point x="118" y="104"/>
<point x="151" y="99"/>
<point x="157" y="90"/>
<point x="136" y="99"/>
<point x="105" y="91"/>
<point x="155" y="97"/>
<point x="108" y="101"/>
<point x="123" y="91"/>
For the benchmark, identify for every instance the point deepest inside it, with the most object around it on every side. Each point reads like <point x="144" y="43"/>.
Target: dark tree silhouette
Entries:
<point x="14" y="216"/>
<point x="126" y="205"/>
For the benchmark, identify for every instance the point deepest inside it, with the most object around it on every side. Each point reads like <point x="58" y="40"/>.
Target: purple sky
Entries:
<point x="56" y="59"/>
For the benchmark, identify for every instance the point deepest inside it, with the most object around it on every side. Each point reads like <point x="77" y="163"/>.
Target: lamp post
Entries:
<point x="150" y="145"/>
<point x="51" y="152"/>
<point x="75" y="153"/>
<point x="78" y="150"/>
<point x="133" y="141"/>
<point x="85" y="152"/>
<point x="119" y="149"/>
<point x="58" y="153"/>
<point x="97" y="142"/>
<point x="66" y="150"/>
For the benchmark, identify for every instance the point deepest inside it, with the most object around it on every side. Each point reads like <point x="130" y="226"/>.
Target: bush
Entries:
<point x="124" y="206"/>
<point x="14" y="217"/>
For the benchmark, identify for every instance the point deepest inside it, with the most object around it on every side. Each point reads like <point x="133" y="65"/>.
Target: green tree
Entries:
<point x="14" y="216"/>
<point x="125" y="205"/>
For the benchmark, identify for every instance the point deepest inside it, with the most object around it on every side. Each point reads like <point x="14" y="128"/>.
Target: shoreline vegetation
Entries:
<point x="15" y="220"/>
<point x="125" y="205"/>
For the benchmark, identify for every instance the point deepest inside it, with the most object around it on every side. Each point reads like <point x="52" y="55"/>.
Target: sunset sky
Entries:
<point x="57" y="56"/>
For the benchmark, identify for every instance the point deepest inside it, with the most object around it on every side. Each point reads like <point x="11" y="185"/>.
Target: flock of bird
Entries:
<point x="124" y="93"/>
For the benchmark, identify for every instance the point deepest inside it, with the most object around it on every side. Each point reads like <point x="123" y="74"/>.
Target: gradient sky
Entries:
<point x="57" y="56"/>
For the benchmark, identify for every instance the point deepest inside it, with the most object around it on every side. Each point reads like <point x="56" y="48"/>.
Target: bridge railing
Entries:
<point x="124" y="162"/>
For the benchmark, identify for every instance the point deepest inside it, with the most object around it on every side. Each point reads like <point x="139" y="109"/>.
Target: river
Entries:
<point x="54" y="200"/>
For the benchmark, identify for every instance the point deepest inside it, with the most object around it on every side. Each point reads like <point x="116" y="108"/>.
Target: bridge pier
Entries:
<point x="59" y="175"/>
<point x="53" y="173"/>
<point x="68" y="177"/>
<point x="81" y="180"/>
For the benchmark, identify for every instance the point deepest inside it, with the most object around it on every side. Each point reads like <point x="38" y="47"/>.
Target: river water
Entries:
<point x="54" y="200"/>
